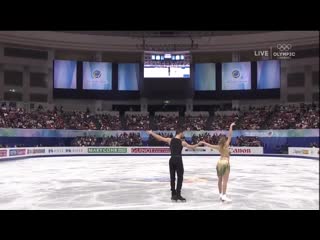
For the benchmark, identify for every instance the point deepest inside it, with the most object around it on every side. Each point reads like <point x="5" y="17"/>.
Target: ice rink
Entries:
<point x="142" y="182"/>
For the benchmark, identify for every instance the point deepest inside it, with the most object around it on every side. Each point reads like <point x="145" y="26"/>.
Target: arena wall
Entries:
<point x="299" y="151"/>
<point x="7" y="153"/>
<point x="21" y="153"/>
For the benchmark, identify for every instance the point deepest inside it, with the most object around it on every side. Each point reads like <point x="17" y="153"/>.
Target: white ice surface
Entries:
<point x="142" y="182"/>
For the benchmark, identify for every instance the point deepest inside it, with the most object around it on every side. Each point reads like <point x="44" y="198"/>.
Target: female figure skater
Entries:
<point x="175" y="162"/>
<point x="223" y="165"/>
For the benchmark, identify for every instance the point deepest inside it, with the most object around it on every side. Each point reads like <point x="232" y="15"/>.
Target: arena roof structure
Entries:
<point x="193" y="34"/>
<point x="140" y="41"/>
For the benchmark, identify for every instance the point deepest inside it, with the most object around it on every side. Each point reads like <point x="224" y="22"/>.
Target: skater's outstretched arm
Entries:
<point x="209" y="145"/>
<point x="158" y="137"/>
<point x="185" y="144"/>
<point x="230" y="134"/>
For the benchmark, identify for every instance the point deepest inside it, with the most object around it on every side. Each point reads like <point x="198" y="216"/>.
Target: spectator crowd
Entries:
<point x="166" y="123"/>
<point x="195" y="123"/>
<point x="56" y="119"/>
<point x="137" y="122"/>
<point x="123" y="139"/>
<point x="243" y="141"/>
<point x="278" y="117"/>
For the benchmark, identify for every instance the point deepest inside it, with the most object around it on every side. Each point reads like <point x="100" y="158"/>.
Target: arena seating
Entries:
<point x="256" y="118"/>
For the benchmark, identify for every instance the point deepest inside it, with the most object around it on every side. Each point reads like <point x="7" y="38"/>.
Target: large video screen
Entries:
<point x="158" y="71"/>
<point x="128" y="76"/>
<point x="268" y="74"/>
<point x="65" y="74"/>
<point x="236" y="76"/>
<point x="97" y="76"/>
<point x="205" y="77"/>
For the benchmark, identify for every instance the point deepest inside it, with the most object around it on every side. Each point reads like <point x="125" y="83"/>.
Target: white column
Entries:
<point x="141" y="76"/>
<point x="189" y="105"/>
<point x="1" y="82"/>
<point x="98" y="105"/>
<point x="1" y="74"/>
<point x="235" y="104"/>
<point x="1" y="52"/>
<point x="98" y="57"/>
<point x="50" y="87"/>
<point x="144" y="105"/>
<point x="283" y="85"/>
<point x="235" y="57"/>
<point x="26" y="84"/>
<point x="51" y="56"/>
<point x="308" y="91"/>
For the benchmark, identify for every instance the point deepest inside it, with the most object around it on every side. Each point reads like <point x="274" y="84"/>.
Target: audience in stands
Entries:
<point x="255" y="118"/>
<point x="212" y="139"/>
<point x="108" y="122"/>
<point x="137" y="122"/>
<point x="278" y="117"/>
<point x="195" y="123"/>
<point x="293" y="117"/>
<point x="40" y="119"/>
<point x="123" y="139"/>
<point x="223" y="122"/>
<point x="166" y="123"/>
<point x="308" y="117"/>
<point x="248" y="142"/>
<point x="85" y="141"/>
<point x="284" y="117"/>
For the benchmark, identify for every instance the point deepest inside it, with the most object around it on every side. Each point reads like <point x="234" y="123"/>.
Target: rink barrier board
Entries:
<point x="32" y="151"/>
<point x="302" y="151"/>
<point x="19" y="153"/>
<point x="115" y="155"/>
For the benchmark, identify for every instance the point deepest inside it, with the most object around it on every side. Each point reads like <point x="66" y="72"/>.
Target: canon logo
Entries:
<point x="239" y="150"/>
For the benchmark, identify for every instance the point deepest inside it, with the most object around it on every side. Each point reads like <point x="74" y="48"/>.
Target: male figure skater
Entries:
<point x="175" y="162"/>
